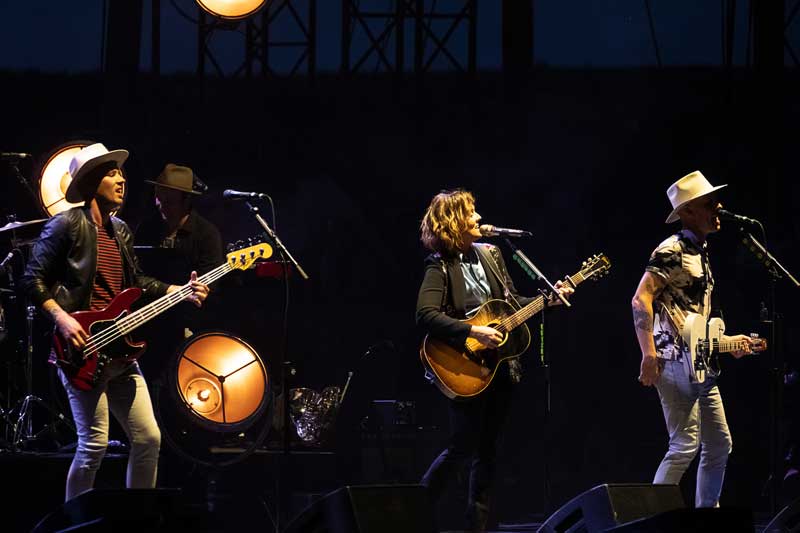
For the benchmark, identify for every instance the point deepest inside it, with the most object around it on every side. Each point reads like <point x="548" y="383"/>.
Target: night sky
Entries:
<point x="57" y="37"/>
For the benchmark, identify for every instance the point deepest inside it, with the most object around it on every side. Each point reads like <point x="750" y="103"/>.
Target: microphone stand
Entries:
<point x="272" y="235"/>
<point x="17" y="174"/>
<point x="533" y="271"/>
<point x="287" y="370"/>
<point x="776" y="371"/>
<point x="535" y="274"/>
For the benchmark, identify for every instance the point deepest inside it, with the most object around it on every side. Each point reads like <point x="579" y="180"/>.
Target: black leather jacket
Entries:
<point x="63" y="262"/>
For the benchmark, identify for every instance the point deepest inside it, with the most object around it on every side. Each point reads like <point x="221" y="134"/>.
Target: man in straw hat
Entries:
<point x="84" y="257"/>
<point x="677" y="281"/>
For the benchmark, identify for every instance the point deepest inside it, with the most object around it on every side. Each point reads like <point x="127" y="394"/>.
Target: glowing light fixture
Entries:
<point x="54" y="178"/>
<point x="222" y="382"/>
<point x="231" y="9"/>
<point x="214" y="404"/>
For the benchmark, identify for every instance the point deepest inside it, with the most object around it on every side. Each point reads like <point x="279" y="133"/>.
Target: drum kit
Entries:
<point x="17" y="317"/>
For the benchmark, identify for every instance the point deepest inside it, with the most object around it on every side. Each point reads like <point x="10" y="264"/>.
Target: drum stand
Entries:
<point x="23" y="434"/>
<point x="23" y="429"/>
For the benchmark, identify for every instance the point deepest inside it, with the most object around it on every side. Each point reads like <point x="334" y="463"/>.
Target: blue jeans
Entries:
<point x="695" y="420"/>
<point x="123" y="391"/>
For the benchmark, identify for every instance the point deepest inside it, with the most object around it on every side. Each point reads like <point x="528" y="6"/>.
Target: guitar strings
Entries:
<point x="525" y="313"/>
<point x="119" y="329"/>
<point x="134" y="320"/>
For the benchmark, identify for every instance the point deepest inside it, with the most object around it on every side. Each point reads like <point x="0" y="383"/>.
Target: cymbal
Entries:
<point x="17" y="224"/>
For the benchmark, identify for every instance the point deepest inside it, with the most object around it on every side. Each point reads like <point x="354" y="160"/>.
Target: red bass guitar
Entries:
<point x="109" y="328"/>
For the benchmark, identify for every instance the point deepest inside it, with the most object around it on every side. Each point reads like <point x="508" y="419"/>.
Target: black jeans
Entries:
<point x="475" y="434"/>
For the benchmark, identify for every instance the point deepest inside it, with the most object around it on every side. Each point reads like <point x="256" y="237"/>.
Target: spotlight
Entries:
<point x="54" y="178"/>
<point x="217" y="391"/>
<point x="231" y="9"/>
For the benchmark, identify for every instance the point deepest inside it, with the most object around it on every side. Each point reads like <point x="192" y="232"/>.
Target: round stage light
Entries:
<point x="54" y="178"/>
<point x="214" y="403"/>
<point x="231" y="9"/>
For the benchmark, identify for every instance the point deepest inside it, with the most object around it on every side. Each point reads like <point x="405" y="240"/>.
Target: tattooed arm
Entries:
<point x="649" y="288"/>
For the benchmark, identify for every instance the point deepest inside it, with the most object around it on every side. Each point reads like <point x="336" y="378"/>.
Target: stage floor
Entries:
<point x="239" y="499"/>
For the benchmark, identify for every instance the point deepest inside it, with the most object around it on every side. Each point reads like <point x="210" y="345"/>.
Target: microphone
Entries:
<point x="230" y="194"/>
<point x="727" y="215"/>
<point x="8" y="258"/>
<point x="487" y="230"/>
<point x="14" y="156"/>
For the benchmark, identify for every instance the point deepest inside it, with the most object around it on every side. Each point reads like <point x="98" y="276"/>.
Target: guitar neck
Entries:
<point x="730" y="346"/>
<point x="152" y="310"/>
<point x="535" y="306"/>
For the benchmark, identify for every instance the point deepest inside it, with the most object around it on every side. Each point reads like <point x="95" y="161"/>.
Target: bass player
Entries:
<point x="82" y="259"/>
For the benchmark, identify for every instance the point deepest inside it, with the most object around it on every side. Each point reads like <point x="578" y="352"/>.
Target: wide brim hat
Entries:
<point x="686" y="189"/>
<point x="85" y="182"/>
<point x="178" y="177"/>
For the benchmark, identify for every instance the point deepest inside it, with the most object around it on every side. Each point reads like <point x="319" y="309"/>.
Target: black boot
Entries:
<point x="477" y="517"/>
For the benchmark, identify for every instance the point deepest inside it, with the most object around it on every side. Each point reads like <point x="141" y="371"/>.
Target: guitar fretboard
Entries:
<point x="730" y="346"/>
<point x="132" y="321"/>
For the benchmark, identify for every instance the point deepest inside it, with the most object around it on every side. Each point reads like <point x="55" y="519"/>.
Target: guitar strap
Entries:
<point x="496" y="265"/>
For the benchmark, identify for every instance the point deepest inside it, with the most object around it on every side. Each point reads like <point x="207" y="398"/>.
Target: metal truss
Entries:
<point x="381" y="33"/>
<point x="264" y="52"/>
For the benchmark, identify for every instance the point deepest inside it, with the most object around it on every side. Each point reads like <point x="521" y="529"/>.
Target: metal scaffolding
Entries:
<point x="262" y="50"/>
<point x="372" y="31"/>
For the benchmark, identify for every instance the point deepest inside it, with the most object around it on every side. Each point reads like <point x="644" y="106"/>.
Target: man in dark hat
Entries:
<point x="82" y="260"/>
<point x="179" y="226"/>
<point x="179" y="240"/>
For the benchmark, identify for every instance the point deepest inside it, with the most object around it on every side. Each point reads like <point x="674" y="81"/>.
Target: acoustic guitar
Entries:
<point x="466" y="371"/>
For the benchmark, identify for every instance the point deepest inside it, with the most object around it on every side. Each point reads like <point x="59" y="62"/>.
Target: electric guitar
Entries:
<point x="704" y="350"/>
<point x="465" y="372"/>
<point x="110" y="327"/>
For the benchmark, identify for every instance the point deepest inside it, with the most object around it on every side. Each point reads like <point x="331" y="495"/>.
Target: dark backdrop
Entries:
<point x="580" y="158"/>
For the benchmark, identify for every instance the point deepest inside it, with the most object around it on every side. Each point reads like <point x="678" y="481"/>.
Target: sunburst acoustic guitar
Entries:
<point x="465" y="372"/>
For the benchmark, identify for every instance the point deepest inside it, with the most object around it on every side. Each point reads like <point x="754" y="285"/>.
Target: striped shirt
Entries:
<point x="108" y="277"/>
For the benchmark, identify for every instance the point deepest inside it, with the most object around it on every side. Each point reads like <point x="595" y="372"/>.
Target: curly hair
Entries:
<point x="446" y="220"/>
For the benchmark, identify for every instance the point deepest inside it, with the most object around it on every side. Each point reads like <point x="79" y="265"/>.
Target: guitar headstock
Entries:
<point x="244" y="254"/>
<point x="595" y="267"/>
<point x="759" y="344"/>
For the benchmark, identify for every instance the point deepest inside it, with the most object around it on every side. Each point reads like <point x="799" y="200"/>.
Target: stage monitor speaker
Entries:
<point x="117" y="510"/>
<point x="727" y="519"/>
<point x="787" y="520"/>
<point x="368" y="509"/>
<point x="606" y="506"/>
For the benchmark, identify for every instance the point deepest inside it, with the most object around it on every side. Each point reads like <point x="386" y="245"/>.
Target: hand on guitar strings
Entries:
<point x="564" y="290"/>
<point x="752" y="345"/>
<point x="71" y="330"/>
<point x="199" y="290"/>
<point x="489" y="337"/>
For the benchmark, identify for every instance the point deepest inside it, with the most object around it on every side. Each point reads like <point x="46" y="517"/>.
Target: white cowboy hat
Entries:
<point x="686" y="189"/>
<point x="81" y="166"/>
